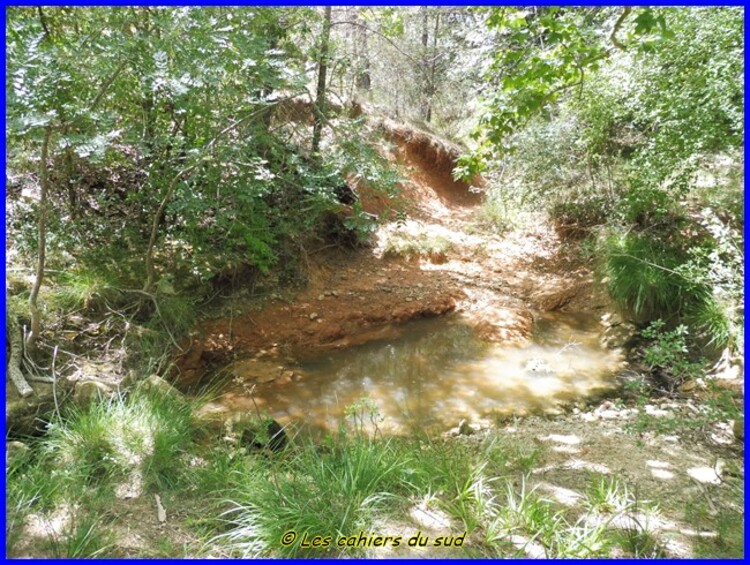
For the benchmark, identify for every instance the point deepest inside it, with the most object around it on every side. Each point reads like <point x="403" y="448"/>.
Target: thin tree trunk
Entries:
<point x="320" y="94"/>
<point x="42" y="244"/>
<point x="431" y="86"/>
<point x="363" y="79"/>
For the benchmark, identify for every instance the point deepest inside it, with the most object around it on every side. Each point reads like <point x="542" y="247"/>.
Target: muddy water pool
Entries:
<point x="436" y="373"/>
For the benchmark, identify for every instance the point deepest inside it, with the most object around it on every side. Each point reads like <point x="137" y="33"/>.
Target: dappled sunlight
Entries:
<point x="564" y="496"/>
<point x="438" y="373"/>
<point x="705" y="475"/>
<point x="50" y="524"/>
<point x="659" y="469"/>
<point x="425" y="515"/>
<point x="565" y="439"/>
<point x="580" y="464"/>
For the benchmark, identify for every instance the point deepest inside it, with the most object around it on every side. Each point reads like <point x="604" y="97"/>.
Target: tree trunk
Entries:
<point x="320" y="94"/>
<point x="363" y="80"/>
<point x="42" y="245"/>
<point x="425" y="109"/>
<point x="431" y="86"/>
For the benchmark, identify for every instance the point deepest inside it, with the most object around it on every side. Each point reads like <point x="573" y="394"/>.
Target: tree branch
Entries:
<point x="43" y="21"/>
<point x="388" y="39"/>
<point x="613" y="36"/>
<point x="107" y="83"/>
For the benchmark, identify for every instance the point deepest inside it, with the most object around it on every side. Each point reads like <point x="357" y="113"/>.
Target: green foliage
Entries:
<point x="639" y="544"/>
<point x="609" y="495"/>
<point x="544" y="52"/>
<point x="668" y="352"/>
<point x="632" y="132"/>
<point x="531" y="518"/>
<point x="730" y="539"/>
<point x="663" y="275"/>
<point x="578" y="218"/>
<point x="83" y="290"/>
<point x="336" y="491"/>
<point x="183" y="100"/>
<point x="84" y="537"/>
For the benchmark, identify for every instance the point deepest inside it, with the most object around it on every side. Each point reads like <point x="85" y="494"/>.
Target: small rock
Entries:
<point x="465" y="429"/>
<point x="211" y="416"/>
<point x="268" y="433"/>
<point x="334" y="293"/>
<point x="14" y="450"/>
<point x="321" y="296"/>
<point x="155" y="382"/>
<point x="739" y="429"/>
<point x="687" y="386"/>
<point x="286" y="377"/>
<point x="314" y="316"/>
<point x="85" y="392"/>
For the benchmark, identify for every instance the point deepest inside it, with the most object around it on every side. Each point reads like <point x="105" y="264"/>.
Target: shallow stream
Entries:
<point x="437" y="373"/>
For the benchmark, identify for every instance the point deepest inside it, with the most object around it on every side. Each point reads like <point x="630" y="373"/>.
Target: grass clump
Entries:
<point x="144" y="432"/>
<point x="84" y="537"/>
<point x="83" y="290"/>
<point x="640" y="275"/>
<point x="71" y="475"/>
<point x="336" y="489"/>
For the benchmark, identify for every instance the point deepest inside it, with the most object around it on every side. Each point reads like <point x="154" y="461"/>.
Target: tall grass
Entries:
<point x="345" y="484"/>
<point x="651" y="276"/>
<point x="640" y="274"/>
<point x="334" y="490"/>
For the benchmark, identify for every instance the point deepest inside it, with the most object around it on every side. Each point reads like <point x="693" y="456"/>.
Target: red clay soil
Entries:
<point x="495" y="282"/>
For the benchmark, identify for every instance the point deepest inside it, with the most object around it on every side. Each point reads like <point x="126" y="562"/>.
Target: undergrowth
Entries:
<point x="351" y="481"/>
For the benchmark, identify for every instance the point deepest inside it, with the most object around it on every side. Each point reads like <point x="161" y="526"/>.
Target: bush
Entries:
<point x="577" y="217"/>
<point x="668" y="354"/>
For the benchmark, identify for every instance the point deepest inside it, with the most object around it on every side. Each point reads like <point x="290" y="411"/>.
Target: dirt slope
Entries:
<point x="496" y="282"/>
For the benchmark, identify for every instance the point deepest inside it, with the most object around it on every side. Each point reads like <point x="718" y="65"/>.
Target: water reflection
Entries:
<point x="437" y="373"/>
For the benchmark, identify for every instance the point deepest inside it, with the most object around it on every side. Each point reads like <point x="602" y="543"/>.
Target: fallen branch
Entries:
<point x="16" y="355"/>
